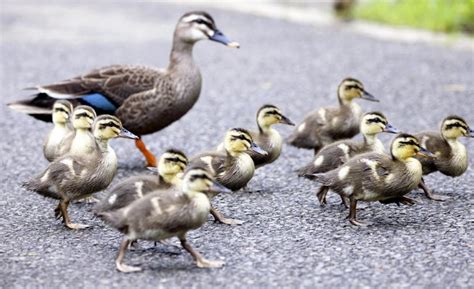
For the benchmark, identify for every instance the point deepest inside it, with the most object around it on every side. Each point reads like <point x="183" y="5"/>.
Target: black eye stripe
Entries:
<point x="57" y="109"/>
<point x="241" y="137"/>
<point x="176" y="160"/>
<point x="376" y="120"/>
<point x="109" y="124"/>
<point x="272" y="112"/>
<point x="84" y="114"/>
<point x="202" y="21"/>
<point x="201" y="176"/>
<point x="410" y="142"/>
<point x="353" y="86"/>
<point x="457" y="124"/>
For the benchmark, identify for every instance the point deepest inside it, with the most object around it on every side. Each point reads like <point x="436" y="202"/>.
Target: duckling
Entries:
<point x="159" y="216"/>
<point x="146" y="99"/>
<point x="451" y="155"/>
<point x="81" y="142"/>
<point x="378" y="176"/>
<point x="171" y="166"/>
<point x="327" y="125"/>
<point x="268" y="138"/>
<point x="337" y="153"/>
<point x="62" y="110"/>
<point x="72" y="177"/>
<point x="233" y="168"/>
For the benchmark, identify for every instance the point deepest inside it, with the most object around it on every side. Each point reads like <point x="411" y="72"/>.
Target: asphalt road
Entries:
<point x="287" y="240"/>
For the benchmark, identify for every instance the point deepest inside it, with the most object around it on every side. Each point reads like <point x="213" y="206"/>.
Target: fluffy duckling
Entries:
<point x="337" y="153"/>
<point x="378" y="176"/>
<point x="451" y="155"/>
<point x="266" y="137"/>
<point x="233" y="168"/>
<point x="159" y="216"/>
<point x="82" y="141"/>
<point x="327" y="125"/>
<point x="62" y="110"/>
<point x="171" y="166"/>
<point x="72" y="177"/>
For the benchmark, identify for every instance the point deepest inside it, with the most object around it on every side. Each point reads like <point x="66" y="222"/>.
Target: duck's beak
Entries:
<point x="221" y="38"/>
<point x="254" y="147"/>
<point x="471" y="133"/>
<point x="126" y="134"/>
<point x="285" y="120"/>
<point x="368" y="96"/>
<point x="218" y="188"/>
<point x="391" y="129"/>
<point x="425" y="153"/>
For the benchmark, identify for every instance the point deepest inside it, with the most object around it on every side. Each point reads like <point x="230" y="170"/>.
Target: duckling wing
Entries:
<point x="433" y="142"/>
<point x="216" y="161"/>
<point x="156" y="216"/>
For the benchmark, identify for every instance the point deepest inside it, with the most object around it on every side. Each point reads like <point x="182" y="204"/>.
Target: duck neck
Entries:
<point x="370" y="139"/>
<point x="60" y="125"/>
<point x="103" y="144"/>
<point x="264" y="128"/>
<point x="168" y="178"/>
<point x="181" y="54"/>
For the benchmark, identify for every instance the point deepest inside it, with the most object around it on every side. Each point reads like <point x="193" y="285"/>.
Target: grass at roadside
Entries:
<point x="437" y="15"/>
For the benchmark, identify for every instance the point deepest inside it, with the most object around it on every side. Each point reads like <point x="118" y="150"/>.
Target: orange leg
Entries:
<point x="150" y="158"/>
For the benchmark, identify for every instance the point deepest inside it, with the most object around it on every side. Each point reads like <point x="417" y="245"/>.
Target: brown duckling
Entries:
<point x="378" y="176"/>
<point x="159" y="216"/>
<point x="171" y="166"/>
<point x="451" y="155"/>
<point x="327" y="125"/>
<point x="233" y="168"/>
<point x="73" y="177"/>
<point x="336" y="154"/>
<point x="62" y="110"/>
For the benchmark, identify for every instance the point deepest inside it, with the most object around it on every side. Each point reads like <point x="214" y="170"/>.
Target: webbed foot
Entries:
<point x="126" y="268"/>
<point x="436" y="197"/>
<point x="358" y="223"/>
<point x="73" y="226"/>
<point x="204" y="263"/>
<point x="228" y="221"/>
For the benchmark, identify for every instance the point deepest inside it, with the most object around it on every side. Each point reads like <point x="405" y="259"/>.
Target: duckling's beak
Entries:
<point x="254" y="147"/>
<point x="368" y="96"/>
<point x="390" y="129"/>
<point x="218" y="188"/>
<point x="126" y="134"/>
<point x="285" y="120"/>
<point x="221" y="38"/>
<point x="425" y="153"/>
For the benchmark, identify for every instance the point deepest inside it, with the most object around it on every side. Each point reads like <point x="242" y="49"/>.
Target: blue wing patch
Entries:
<point x="99" y="101"/>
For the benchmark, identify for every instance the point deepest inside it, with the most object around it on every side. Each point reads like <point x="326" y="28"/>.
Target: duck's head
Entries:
<point x="351" y="88"/>
<point x="454" y="127"/>
<point x="374" y="122"/>
<point x="199" y="25"/>
<point x="197" y="179"/>
<point x="83" y="116"/>
<point x="108" y="126"/>
<point x="172" y="162"/>
<point x="239" y="140"/>
<point x="269" y="115"/>
<point x="405" y="146"/>
<point x="62" y="110"/>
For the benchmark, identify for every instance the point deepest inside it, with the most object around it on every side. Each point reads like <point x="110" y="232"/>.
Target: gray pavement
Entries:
<point x="288" y="241"/>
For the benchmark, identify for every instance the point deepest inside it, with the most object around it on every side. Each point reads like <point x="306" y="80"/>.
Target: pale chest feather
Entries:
<point x="245" y="166"/>
<point x="414" y="170"/>
<point x="83" y="143"/>
<point x="272" y="144"/>
<point x="458" y="162"/>
<point x="377" y="146"/>
<point x="200" y="209"/>
<point x="56" y="136"/>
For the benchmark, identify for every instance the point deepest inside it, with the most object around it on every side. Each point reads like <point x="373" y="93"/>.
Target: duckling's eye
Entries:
<point x="59" y="109"/>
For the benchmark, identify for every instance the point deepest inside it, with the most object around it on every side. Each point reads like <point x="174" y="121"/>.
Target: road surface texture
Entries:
<point x="287" y="240"/>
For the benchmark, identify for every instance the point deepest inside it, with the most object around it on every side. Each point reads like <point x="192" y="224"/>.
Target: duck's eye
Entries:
<point x="200" y="21"/>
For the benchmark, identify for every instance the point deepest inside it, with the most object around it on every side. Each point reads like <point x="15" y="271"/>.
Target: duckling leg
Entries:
<point x="119" y="261"/>
<point x="63" y="204"/>
<point x="344" y="201"/>
<point x="201" y="262"/>
<point x="57" y="211"/>
<point x="321" y="194"/>
<point x="430" y="194"/>
<point x="219" y="217"/>
<point x="150" y="158"/>
<point x="352" y="214"/>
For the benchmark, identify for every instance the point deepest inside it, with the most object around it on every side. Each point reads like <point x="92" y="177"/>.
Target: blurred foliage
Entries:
<point x="436" y="15"/>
